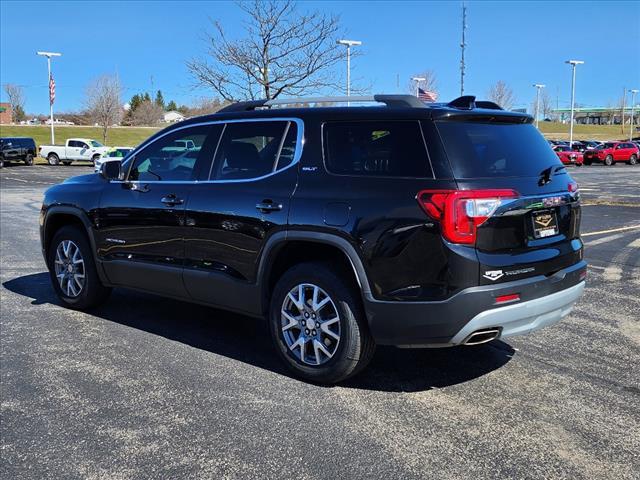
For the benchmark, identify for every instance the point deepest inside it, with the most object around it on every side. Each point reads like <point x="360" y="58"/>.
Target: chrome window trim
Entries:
<point x="296" y="158"/>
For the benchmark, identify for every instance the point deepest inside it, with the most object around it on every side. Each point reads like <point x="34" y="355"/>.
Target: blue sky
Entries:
<point x="147" y="44"/>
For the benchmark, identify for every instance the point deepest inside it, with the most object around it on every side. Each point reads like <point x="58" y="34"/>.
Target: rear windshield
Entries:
<point x="478" y="150"/>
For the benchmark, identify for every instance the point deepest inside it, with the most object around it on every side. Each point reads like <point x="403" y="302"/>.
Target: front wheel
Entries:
<point x="53" y="159"/>
<point x="633" y="159"/>
<point x="73" y="270"/>
<point x="318" y="324"/>
<point x="608" y="161"/>
<point x="94" y="159"/>
<point x="28" y="160"/>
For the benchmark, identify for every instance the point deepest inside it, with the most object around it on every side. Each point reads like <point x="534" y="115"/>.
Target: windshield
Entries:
<point x="478" y="150"/>
<point x="96" y="144"/>
<point x="604" y="145"/>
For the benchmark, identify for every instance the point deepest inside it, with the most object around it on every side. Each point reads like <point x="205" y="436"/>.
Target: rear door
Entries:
<point x="240" y="202"/>
<point x="537" y="231"/>
<point x="72" y="151"/>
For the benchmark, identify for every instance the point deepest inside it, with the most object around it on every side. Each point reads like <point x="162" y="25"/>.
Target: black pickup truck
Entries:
<point x="17" y="149"/>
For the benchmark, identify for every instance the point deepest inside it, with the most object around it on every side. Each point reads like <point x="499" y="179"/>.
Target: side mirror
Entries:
<point x="110" y="170"/>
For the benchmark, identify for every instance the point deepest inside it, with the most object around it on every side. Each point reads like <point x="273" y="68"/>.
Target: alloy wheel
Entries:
<point x="310" y="324"/>
<point x="69" y="268"/>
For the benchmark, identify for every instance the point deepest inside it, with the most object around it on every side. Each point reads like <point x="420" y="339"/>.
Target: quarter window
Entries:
<point x="170" y="158"/>
<point x="384" y="149"/>
<point x="253" y="149"/>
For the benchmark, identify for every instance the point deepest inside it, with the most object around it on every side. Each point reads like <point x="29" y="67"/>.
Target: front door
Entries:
<point x="140" y="234"/>
<point x="237" y="207"/>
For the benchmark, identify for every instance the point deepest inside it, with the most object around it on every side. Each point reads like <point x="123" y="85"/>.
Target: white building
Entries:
<point x="173" y="116"/>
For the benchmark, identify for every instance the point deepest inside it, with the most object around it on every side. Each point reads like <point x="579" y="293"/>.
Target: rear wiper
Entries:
<point x="545" y="175"/>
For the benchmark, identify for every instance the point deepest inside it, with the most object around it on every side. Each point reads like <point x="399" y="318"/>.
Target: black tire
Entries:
<point x="608" y="160"/>
<point x="355" y="347"/>
<point x="92" y="293"/>
<point x="53" y="159"/>
<point x="1" y="162"/>
<point x="66" y="163"/>
<point x="633" y="159"/>
<point x="587" y="163"/>
<point x="94" y="159"/>
<point x="28" y="160"/>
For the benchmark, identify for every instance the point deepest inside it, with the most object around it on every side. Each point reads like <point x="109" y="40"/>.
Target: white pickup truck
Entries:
<point x="76" y="149"/>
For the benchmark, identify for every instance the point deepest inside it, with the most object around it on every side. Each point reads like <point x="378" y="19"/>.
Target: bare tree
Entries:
<point x="546" y="105"/>
<point x="502" y="94"/>
<point x="283" y="52"/>
<point x="147" y="113"/>
<point x="15" y="94"/>
<point x="103" y="102"/>
<point x="205" y="106"/>
<point x="430" y="82"/>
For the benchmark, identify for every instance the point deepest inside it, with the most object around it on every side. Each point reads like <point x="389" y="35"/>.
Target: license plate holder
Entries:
<point x="545" y="223"/>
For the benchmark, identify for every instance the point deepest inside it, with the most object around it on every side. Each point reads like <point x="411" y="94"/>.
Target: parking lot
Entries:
<point x="147" y="387"/>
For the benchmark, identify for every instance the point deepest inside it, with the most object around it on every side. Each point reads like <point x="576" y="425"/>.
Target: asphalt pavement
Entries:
<point x="146" y="387"/>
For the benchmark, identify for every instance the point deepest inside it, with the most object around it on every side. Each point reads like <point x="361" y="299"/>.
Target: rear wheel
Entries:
<point x="633" y="159"/>
<point x="53" y="159"/>
<point x="28" y="160"/>
<point x="73" y="270"/>
<point x="318" y="324"/>
<point x="608" y="161"/>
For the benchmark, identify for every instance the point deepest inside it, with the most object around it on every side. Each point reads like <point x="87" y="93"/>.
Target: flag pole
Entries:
<point x="53" y="138"/>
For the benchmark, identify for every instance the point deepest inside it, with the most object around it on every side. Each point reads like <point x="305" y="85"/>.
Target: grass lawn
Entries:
<point x="116" y="136"/>
<point x="559" y="131"/>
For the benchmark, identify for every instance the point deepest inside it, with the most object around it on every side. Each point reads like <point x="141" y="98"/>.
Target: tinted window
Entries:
<point x="477" y="150"/>
<point x="248" y="150"/>
<point x="73" y="143"/>
<point x="387" y="149"/>
<point x="168" y="158"/>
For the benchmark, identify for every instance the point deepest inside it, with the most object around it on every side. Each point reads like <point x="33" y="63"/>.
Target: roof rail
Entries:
<point x="401" y="101"/>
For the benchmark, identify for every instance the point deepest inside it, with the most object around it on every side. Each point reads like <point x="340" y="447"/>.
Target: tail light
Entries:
<point x="461" y="212"/>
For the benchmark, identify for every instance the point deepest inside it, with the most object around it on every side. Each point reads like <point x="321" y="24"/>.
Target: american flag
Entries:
<point x="427" y="96"/>
<point x="52" y="90"/>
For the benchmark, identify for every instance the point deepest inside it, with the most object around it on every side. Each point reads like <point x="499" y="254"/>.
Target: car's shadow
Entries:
<point x="247" y="340"/>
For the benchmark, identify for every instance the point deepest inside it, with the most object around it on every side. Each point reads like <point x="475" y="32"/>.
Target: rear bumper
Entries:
<point x="544" y="300"/>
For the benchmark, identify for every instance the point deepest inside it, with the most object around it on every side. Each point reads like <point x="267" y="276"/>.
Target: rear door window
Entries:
<point x="250" y="150"/>
<point x="480" y="150"/>
<point x="376" y="148"/>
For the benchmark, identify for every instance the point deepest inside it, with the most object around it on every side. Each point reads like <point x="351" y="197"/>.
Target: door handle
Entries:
<point x="171" y="200"/>
<point x="267" y="206"/>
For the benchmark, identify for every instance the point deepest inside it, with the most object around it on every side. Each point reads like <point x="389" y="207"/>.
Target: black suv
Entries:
<point x="17" y="149"/>
<point x="408" y="224"/>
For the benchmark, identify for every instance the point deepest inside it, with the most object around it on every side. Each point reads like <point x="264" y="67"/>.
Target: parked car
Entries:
<point x="591" y="144"/>
<point x="17" y="149"/>
<point x="578" y="146"/>
<point x="74" y="150"/>
<point x="408" y="224"/>
<point x="115" y="154"/>
<point x="568" y="156"/>
<point x="611" y="152"/>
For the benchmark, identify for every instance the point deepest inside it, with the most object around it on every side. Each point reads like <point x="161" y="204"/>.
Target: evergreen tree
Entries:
<point x="146" y="97"/>
<point x="171" y="106"/>
<point x="160" y="99"/>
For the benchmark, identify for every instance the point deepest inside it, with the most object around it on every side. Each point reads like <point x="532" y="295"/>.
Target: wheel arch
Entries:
<point x="285" y="249"/>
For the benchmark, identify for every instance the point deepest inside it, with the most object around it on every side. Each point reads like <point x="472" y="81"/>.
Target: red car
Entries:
<point x="612" y="152"/>
<point x="568" y="156"/>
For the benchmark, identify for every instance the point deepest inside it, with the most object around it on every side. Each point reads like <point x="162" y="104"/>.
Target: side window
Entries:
<point x="371" y="148"/>
<point x="169" y="158"/>
<point x="73" y="144"/>
<point x="251" y="149"/>
<point x="83" y="145"/>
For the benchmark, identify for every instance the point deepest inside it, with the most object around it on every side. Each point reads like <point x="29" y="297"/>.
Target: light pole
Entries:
<point x="418" y="80"/>
<point x="573" y="64"/>
<point x="633" y="104"/>
<point x="538" y="87"/>
<point x="349" y="44"/>
<point x="49" y="55"/>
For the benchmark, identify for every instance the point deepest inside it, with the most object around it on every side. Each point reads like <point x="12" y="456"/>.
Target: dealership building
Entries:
<point x="599" y="115"/>
<point x="6" y="115"/>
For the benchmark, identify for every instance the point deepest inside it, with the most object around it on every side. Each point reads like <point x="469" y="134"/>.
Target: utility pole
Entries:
<point x="49" y="55"/>
<point x="573" y="64"/>
<point x="624" y="100"/>
<point x="538" y="87"/>
<point x="462" y="47"/>
<point x="633" y="104"/>
<point x="418" y="80"/>
<point x="349" y="44"/>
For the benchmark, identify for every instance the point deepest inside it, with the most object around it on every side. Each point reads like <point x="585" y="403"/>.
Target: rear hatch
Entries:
<point x="527" y="212"/>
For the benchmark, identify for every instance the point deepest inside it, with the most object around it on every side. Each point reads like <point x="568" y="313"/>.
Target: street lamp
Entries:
<point x="418" y="80"/>
<point x="349" y="44"/>
<point x="633" y="104"/>
<point x="573" y="64"/>
<point x="538" y="87"/>
<point x="49" y="55"/>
